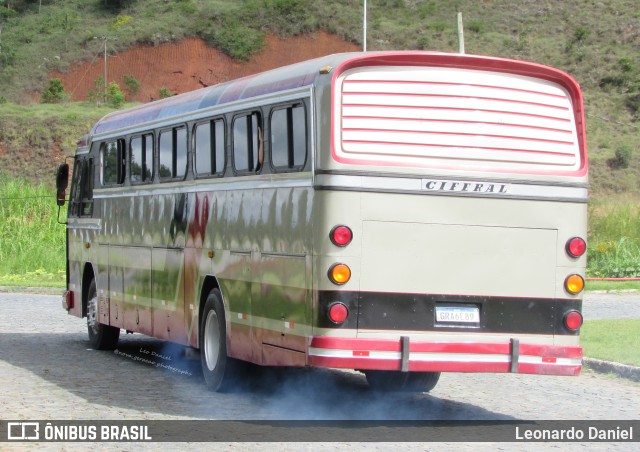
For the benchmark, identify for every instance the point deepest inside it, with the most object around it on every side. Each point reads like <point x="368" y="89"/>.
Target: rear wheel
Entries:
<point x="218" y="369"/>
<point x="395" y="381"/>
<point x="101" y="337"/>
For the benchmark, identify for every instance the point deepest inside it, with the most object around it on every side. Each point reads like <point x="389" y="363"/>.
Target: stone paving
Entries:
<point x="48" y="372"/>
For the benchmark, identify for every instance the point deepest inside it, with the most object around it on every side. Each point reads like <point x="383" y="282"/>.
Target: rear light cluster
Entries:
<point x="574" y="284"/>
<point x="575" y="248"/>
<point x="339" y="273"/>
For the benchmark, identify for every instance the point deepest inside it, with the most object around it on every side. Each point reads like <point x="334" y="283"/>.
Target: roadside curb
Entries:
<point x="32" y="290"/>
<point x="608" y="367"/>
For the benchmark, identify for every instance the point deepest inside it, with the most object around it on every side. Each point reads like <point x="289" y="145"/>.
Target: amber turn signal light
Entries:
<point x="339" y="274"/>
<point x="574" y="284"/>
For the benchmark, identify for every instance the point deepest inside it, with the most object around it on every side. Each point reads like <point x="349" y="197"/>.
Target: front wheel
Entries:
<point x="101" y="337"/>
<point x="218" y="369"/>
<point x="394" y="381"/>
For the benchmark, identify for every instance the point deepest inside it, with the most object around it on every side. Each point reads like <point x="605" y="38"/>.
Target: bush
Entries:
<point x="165" y="92"/>
<point x="133" y="85"/>
<point x="235" y="39"/>
<point x="115" y="96"/>
<point x="54" y="93"/>
<point x="623" y="156"/>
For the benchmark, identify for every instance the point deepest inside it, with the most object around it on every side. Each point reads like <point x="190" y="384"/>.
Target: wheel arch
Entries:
<point x="88" y="274"/>
<point x="210" y="283"/>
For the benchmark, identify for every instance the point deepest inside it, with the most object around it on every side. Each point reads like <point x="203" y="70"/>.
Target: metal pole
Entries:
<point x="460" y="34"/>
<point x="105" y="67"/>
<point x="364" y="28"/>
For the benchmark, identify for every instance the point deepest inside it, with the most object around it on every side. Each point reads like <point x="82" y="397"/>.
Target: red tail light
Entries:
<point x="338" y="313"/>
<point x="573" y="320"/>
<point x="576" y="247"/>
<point x="341" y="235"/>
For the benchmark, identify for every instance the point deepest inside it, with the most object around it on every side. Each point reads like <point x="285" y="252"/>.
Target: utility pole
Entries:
<point x="460" y="34"/>
<point x="364" y="28"/>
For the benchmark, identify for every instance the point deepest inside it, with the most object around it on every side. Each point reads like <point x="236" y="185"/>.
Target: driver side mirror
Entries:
<point x="62" y="180"/>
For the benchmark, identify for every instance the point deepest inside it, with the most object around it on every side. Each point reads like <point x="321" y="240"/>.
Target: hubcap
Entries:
<point x="211" y="340"/>
<point x="92" y="314"/>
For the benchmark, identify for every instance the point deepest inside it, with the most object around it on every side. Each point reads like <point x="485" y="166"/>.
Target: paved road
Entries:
<point x="47" y="371"/>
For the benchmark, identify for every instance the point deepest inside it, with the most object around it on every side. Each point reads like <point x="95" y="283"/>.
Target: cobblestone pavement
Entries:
<point x="47" y="371"/>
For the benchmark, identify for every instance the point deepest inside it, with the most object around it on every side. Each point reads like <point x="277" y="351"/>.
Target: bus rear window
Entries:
<point x="455" y="118"/>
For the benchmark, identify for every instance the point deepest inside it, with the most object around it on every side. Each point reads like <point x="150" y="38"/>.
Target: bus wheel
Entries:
<point x="393" y="381"/>
<point x="218" y="369"/>
<point x="101" y="337"/>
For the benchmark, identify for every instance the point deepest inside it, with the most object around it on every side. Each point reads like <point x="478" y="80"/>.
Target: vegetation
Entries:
<point x="33" y="245"/>
<point x="614" y="237"/>
<point x="596" y="42"/>
<point x="49" y="131"/>
<point x="612" y="340"/>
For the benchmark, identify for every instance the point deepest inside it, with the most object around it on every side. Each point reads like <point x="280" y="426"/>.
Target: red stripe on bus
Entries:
<point x="428" y="132"/>
<point x="500" y="348"/>
<point x="450" y="96"/>
<point x="421" y="107"/>
<point x="457" y="122"/>
<point x="443" y="366"/>
<point x="396" y="143"/>
<point x="474" y="85"/>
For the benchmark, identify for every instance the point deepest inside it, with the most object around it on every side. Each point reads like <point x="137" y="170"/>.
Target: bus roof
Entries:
<point x="308" y="73"/>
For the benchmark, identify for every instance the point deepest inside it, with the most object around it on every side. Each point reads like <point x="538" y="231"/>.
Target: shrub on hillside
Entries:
<point x="115" y="96"/>
<point x="54" y="93"/>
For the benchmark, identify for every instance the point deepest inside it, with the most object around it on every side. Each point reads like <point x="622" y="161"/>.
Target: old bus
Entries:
<point x="398" y="213"/>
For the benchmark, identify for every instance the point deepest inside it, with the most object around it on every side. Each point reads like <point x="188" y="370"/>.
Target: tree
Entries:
<point x="115" y="96"/>
<point x="54" y="93"/>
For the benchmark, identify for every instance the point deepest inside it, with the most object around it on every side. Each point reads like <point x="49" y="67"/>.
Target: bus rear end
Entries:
<point x="451" y="221"/>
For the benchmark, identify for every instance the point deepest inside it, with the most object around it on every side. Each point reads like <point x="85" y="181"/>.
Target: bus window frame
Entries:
<point x="290" y="151"/>
<point x="212" y="137"/>
<point x="121" y="163"/>
<point x="81" y="193"/>
<point x="260" y="166"/>
<point x="142" y="136"/>
<point x="174" y="152"/>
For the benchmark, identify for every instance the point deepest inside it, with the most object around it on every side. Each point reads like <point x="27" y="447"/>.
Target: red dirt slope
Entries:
<point x="190" y="64"/>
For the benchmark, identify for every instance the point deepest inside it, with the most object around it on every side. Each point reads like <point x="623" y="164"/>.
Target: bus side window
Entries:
<point x="86" y="189"/>
<point x="112" y="161"/>
<point x="209" y="148"/>
<point x="288" y="138"/>
<point x="173" y="153"/>
<point x="248" y="146"/>
<point x="81" y="194"/>
<point x="141" y="158"/>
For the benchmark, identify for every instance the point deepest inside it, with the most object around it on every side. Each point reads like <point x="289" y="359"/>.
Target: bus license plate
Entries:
<point x="457" y="314"/>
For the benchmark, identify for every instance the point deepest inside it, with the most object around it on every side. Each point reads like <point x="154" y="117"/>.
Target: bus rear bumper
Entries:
<point x="415" y="356"/>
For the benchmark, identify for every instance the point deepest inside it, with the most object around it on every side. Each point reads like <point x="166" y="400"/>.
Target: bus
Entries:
<point x="401" y="214"/>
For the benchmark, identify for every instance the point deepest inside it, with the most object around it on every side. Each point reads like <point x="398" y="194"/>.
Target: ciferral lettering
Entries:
<point x="448" y="186"/>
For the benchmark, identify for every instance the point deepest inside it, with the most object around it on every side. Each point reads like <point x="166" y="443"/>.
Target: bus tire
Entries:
<point x="395" y="381"/>
<point x="218" y="369"/>
<point x="101" y="337"/>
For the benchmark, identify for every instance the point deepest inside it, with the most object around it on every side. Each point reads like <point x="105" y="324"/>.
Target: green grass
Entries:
<point x="612" y="340"/>
<point x="614" y="237"/>
<point x="613" y="285"/>
<point x="32" y="247"/>
<point x="49" y="133"/>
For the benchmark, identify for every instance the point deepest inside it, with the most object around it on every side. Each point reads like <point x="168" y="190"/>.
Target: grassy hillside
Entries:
<point x="596" y="41"/>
